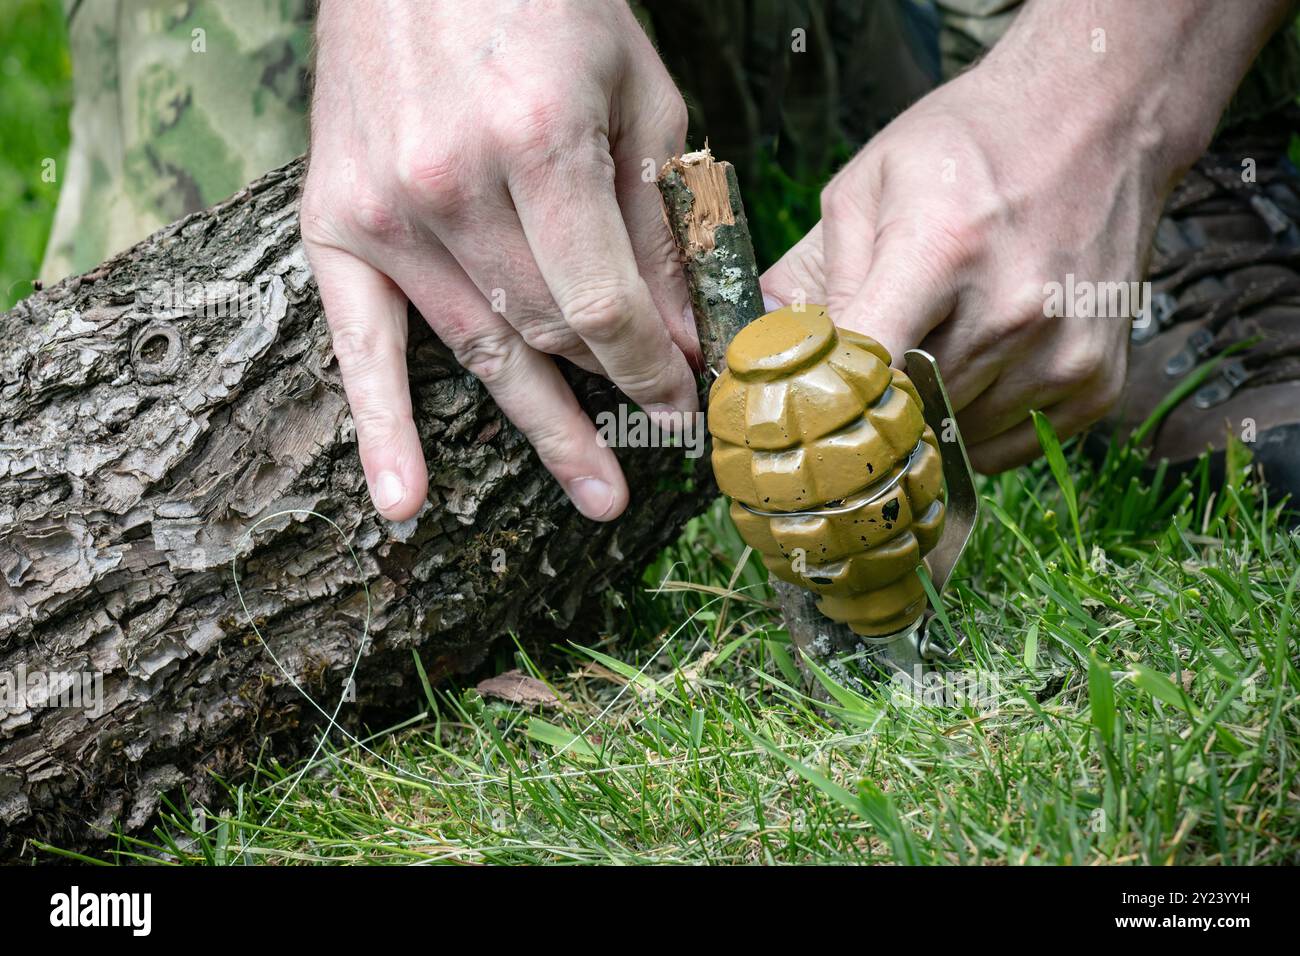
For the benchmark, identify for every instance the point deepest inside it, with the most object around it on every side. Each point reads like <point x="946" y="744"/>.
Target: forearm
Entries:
<point x="1164" y="69"/>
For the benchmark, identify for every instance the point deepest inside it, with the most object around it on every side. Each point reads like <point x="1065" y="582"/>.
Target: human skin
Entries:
<point x="1047" y="158"/>
<point x="492" y="154"/>
<point x="484" y="162"/>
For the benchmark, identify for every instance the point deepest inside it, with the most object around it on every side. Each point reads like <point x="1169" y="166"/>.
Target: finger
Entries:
<point x="798" y="276"/>
<point x="638" y="156"/>
<point x="1077" y="379"/>
<point x="849" y="234"/>
<point x="1006" y="404"/>
<point x="971" y="363"/>
<point x="491" y="249"/>
<point x="903" y="297"/>
<point x="571" y="217"/>
<point x="366" y="313"/>
<point x="993" y="333"/>
<point x="1019" y="445"/>
<point x="526" y="385"/>
<point x="971" y="377"/>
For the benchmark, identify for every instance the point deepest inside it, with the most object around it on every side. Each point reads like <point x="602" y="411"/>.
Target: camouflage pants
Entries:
<point x="179" y="103"/>
<point x="175" y="107"/>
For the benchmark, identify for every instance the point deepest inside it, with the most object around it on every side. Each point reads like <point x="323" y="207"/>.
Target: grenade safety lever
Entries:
<point x="959" y="479"/>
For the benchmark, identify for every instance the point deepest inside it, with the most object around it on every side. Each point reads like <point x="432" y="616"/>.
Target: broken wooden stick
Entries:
<point x="176" y="415"/>
<point x="707" y="218"/>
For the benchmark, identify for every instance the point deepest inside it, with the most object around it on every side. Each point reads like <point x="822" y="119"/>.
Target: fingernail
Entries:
<point x="387" y="491"/>
<point x="593" y="497"/>
<point x="666" y="418"/>
<point x="772" y="303"/>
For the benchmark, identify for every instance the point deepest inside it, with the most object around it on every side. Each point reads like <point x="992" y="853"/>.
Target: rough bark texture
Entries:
<point x="139" y="444"/>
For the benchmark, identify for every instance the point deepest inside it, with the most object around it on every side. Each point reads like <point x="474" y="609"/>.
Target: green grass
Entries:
<point x="35" y="75"/>
<point x="1142" y="635"/>
<point x="1147" y="714"/>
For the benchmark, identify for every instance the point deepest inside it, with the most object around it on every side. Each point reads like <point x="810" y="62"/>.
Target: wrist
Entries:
<point x="1086" y="104"/>
<point x="1150" y="79"/>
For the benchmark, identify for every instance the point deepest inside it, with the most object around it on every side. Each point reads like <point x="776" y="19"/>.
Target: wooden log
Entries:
<point x="176" y="414"/>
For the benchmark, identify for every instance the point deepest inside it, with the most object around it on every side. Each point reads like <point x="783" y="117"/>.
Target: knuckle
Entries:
<point x="554" y="443"/>
<point x="1017" y="306"/>
<point x="1077" y="366"/>
<point x="1023" y="312"/>
<point x="339" y="206"/>
<point x="1027" y="292"/>
<point x="956" y="243"/>
<point x="314" y="218"/>
<point x="378" y="426"/>
<point x="1019" y="323"/>
<point x="600" y="310"/>
<point x="679" y="118"/>
<point x="318" y="231"/>
<point x="358" y="350"/>
<point x="535" y="123"/>
<point x="656" y="380"/>
<point x="436" y="180"/>
<point x="550" y="337"/>
<point x="836" y="201"/>
<point x="370" y="216"/>
<point x="319" y="219"/>
<point x="488" y="357"/>
<point x="1016" y="323"/>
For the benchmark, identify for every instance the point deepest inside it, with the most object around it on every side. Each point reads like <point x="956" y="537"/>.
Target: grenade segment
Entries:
<point x="827" y="445"/>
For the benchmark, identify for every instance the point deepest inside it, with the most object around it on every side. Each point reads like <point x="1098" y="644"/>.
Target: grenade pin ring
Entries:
<point x="869" y="495"/>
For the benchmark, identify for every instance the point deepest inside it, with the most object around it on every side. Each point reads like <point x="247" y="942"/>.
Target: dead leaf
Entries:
<point x="519" y="688"/>
<point x="592" y="669"/>
<point x="693" y="675"/>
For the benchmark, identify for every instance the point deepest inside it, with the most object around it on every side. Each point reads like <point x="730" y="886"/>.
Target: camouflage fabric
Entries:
<point x="177" y="105"/>
<point x="969" y="28"/>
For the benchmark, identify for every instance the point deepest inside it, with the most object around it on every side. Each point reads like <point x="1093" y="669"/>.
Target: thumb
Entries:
<point x="902" y="298"/>
<point x="799" y="276"/>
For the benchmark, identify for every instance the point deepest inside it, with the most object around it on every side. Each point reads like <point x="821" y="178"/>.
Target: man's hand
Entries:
<point x="484" y="161"/>
<point x="1052" y="157"/>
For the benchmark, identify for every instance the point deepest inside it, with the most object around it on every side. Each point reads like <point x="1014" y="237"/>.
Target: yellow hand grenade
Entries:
<point x="836" y="479"/>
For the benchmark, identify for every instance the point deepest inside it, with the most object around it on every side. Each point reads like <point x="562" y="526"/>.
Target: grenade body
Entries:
<point x="834" y="476"/>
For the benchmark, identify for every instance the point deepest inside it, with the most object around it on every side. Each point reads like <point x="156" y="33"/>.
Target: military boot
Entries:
<point x="1225" y="274"/>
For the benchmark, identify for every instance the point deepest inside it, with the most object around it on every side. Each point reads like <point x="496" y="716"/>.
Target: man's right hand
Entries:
<point x="484" y="161"/>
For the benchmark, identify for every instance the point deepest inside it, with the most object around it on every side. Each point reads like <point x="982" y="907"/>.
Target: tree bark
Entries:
<point x="142" y="439"/>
